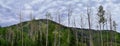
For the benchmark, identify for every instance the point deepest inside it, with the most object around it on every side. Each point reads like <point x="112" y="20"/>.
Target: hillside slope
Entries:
<point x="33" y="33"/>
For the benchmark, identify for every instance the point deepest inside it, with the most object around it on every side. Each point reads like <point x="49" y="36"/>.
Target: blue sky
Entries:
<point x="10" y="10"/>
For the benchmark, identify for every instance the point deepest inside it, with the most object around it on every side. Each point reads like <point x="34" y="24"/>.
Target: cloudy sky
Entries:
<point x="10" y="10"/>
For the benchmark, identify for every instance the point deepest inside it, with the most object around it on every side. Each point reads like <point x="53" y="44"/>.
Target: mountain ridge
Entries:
<point x="35" y="29"/>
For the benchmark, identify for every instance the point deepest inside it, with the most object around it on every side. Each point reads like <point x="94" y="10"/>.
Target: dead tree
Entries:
<point x="48" y="16"/>
<point x="81" y="25"/>
<point x="69" y="14"/>
<point x="107" y="39"/>
<point x="59" y="19"/>
<point x="47" y="30"/>
<point x="31" y="26"/>
<point x="55" y="37"/>
<point x="110" y="23"/>
<point x="10" y="36"/>
<point x="40" y="31"/>
<point x="76" y="33"/>
<point x="89" y="24"/>
<point x="115" y="27"/>
<point x="21" y="28"/>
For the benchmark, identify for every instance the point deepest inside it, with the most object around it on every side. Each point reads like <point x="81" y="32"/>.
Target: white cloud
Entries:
<point x="78" y="7"/>
<point x="27" y="6"/>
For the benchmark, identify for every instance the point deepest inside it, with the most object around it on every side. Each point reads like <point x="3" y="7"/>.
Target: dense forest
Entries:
<point x="46" y="32"/>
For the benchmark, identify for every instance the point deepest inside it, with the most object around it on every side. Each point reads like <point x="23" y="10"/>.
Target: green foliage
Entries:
<point x="101" y="13"/>
<point x="35" y="39"/>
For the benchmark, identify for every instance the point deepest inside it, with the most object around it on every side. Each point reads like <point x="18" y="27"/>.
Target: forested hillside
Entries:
<point x="35" y="32"/>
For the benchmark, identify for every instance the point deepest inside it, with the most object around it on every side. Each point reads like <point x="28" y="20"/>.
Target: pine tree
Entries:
<point x="101" y="13"/>
<point x="101" y="20"/>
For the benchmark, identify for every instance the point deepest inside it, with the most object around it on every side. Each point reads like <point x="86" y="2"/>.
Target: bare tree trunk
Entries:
<point x="21" y="28"/>
<point x="40" y="30"/>
<point x="82" y="39"/>
<point x="76" y="32"/>
<point x="47" y="35"/>
<point x="89" y="22"/>
<point x="17" y="36"/>
<point x="103" y="26"/>
<point x="55" y="31"/>
<point x="22" y="35"/>
<point x="68" y="40"/>
<point x="107" y="29"/>
<point x="59" y="30"/>
<point x="47" y="26"/>
<point x="55" y="38"/>
<point x="114" y="25"/>
<point x="107" y="34"/>
<point x="11" y="36"/>
<point x="101" y="38"/>
<point x="98" y="39"/>
<point x="110" y="19"/>
<point x="115" y="37"/>
<point x="31" y="29"/>
<point x="69" y="14"/>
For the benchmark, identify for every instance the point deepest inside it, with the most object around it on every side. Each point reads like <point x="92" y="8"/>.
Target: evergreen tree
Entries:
<point x="102" y="20"/>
